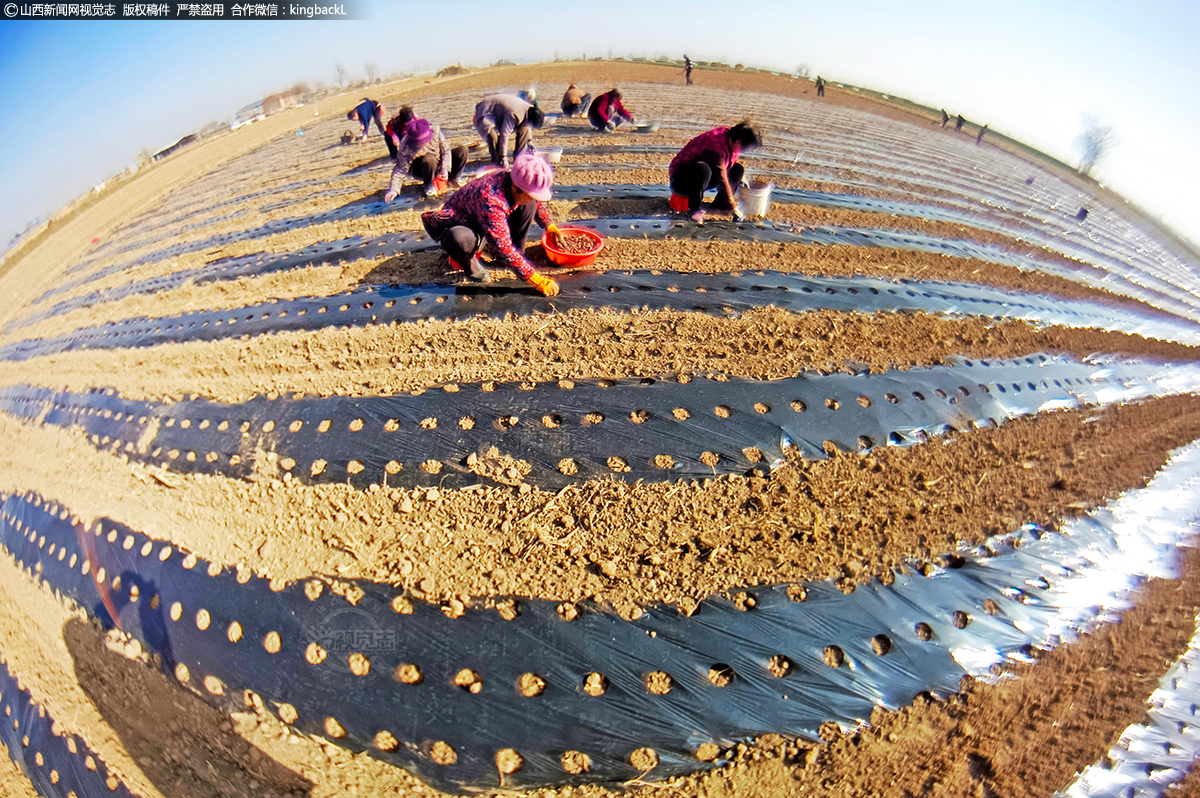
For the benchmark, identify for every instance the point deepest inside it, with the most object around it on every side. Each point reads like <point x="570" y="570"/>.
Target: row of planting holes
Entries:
<point x="442" y="299"/>
<point x="507" y="761"/>
<point x="528" y="685"/>
<point x="89" y="761"/>
<point x="554" y="420"/>
<point x="797" y="405"/>
<point x="566" y="466"/>
<point x="283" y="314"/>
<point x="700" y="289"/>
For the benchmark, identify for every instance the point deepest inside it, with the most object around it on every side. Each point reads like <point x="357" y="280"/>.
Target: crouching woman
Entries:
<point x="607" y="111"/>
<point x="421" y="152"/>
<point x="497" y="209"/>
<point x="711" y="161"/>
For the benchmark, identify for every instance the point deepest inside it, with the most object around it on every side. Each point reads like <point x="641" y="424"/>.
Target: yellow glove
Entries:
<point x="544" y="284"/>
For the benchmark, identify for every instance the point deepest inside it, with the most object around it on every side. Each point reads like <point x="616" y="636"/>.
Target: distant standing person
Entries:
<point x="499" y="116"/>
<point x="422" y="152"/>
<point x="366" y="111"/>
<point x="710" y="161"/>
<point x="687" y="69"/>
<point x="820" y="86"/>
<point x="608" y="111"/>
<point x="959" y="123"/>
<point x="575" y="102"/>
<point x="497" y="209"/>
<point x="945" y="118"/>
<point x="979" y="138"/>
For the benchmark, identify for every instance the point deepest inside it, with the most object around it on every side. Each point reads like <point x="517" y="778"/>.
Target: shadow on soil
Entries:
<point x="605" y="207"/>
<point x="421" y="268"/>
<point x="185" y="747"/>
<point x="364" y="167"/>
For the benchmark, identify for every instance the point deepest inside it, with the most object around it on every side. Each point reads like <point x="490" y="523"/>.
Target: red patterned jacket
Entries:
<point x="484" y="205"/>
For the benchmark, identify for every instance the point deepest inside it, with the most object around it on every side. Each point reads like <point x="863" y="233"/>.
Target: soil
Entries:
<point x="849" y="518"/>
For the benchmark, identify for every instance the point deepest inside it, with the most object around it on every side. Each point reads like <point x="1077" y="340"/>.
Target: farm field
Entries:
<point x="690" y="528"/>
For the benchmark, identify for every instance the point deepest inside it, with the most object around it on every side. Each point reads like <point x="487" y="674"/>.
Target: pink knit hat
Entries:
<point x="533" y="175"/>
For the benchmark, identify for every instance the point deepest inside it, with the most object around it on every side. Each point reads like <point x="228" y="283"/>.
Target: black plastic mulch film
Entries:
<point x="400" y="204"/>
<point x="1146" y="281"/>
<point x="779" y="195"/>
<point x="533" y="692"/>
<point x="630" y="429"/>
<point x="712" y="293"/>
<point x="355" y="248"/>
<point x="59" y="766"/>
<point x="1017" y="224"/>
<point x="730" y="677"/>
<point x="252" y="265"/>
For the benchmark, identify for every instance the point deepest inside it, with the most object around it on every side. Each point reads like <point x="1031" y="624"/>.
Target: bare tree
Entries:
<point x="372" y="71"/>
<point x="802" y="71"/>
<point x="1093" y="143"/>
<point x="341" y="75"/>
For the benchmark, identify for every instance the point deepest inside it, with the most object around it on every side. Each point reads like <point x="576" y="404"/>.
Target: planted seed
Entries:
<point x="407" y="673"/>
<point x="576" y="762"/>
<point x="595" y="684"/>
<point x="644" y="759"/>
<point x="443" y="753"/>
<point x="658" y="682"/>
<point x="509" y="761"/>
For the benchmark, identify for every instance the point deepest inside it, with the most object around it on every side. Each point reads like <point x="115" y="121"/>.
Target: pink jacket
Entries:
<point x="714" y="143"/>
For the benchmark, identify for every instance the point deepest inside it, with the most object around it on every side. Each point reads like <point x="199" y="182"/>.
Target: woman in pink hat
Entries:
<point x="497" y="209"/>
<point x="421" y="152"/>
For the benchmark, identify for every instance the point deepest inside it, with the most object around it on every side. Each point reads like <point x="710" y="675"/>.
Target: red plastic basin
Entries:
<point x="574" y="259"/>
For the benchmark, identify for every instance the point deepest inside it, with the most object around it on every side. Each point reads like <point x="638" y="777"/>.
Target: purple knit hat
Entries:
<point x="418" y="131"/>
<point x="533" y="175"/>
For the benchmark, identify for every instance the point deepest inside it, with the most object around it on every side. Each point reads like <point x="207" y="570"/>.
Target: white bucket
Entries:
<point x="756" y="199"/>
<point x="551" y="154"/>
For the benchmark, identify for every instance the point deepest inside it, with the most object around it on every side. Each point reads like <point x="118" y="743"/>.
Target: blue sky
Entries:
<point x="79" y="100"/>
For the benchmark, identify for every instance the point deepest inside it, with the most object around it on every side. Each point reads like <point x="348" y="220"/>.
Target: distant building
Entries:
<point x="249" y="114"/>
<point x="190" y="138"/>
<point x="277" y="102"/>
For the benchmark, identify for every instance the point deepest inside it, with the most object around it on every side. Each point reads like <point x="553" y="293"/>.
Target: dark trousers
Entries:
<point x="577" y="109"/>
<point x="600" y="123"/>
<point x="462" y="243"/>
<point x="524" y="140"/>
<point x="693" y="179"/>
<point x="425" y="168"/>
